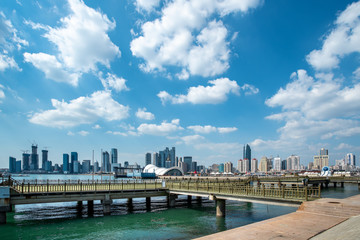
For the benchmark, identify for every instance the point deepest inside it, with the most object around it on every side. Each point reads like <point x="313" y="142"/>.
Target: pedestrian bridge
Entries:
<point x="30" y="192"/>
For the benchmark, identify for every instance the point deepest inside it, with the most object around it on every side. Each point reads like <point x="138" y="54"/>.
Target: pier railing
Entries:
<point x="292" y="193"/>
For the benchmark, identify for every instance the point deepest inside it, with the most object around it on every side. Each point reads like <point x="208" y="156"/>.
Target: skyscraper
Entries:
<point x="34" y="163"/>
<point x="254" y="165"/>
<point x="26" y="161"/>
<point x="228" y="166"/>
<point x="277" y="164"/>
<point x="12" y="164"/>
<point x="350" y="159"/>
<point x="66" y="166"/>
<point x="147" y="159"/>
<point x="105" y="165"/>
<point x="114" y="155"/>
<point x="188" y="161"/>
<point x="321" y="160"/>
<point x="156" y="161"/>
<point x="44" y="158"/>
<point x="74" y="157"/>
<point x="247" y="155"/>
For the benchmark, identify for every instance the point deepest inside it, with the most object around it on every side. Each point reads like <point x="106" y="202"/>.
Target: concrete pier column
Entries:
<point x="198" y="199"/>
<point x="148" y="203"/>
<point x="2" y="217"/>
<point x="90" y="207"/>
<point x="335" y="184"/>
<point x="326" y="185"/>
<point x="79" y="207"/>
<point x="130" y="205"/>
<point x="220" y="207"/>
<point x="342" y="184"/>
<point x="171" y="200"/>
<point x="189" y="198"/>
<point x="107" y="204"/>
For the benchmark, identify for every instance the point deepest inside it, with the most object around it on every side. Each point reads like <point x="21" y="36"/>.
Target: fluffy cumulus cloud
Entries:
<point x="146" y="5"/>
<point x="342" y="40"/>
<point x="188" y="35"/>
<point x="82" y="110"/>
<point x="2" y="94"/>
<point x="209" y="129"/>
<point x="114" y="82"/>
<point x="143" y="114"/>
<point x="9" y="41"/>
<point x="52" y="68"/>
<point x="81" y="39"/>
<point x="320" y="107"/>
<point x="216" y="93"/>
<point x="165" y="128"/>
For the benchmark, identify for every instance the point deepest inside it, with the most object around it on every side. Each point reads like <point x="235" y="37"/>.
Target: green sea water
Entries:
<point x="67" y="221"/>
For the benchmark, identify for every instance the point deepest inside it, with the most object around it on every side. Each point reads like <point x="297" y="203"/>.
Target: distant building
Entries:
<point x="264" y="164"/>
<point x="76" y="167"/>
<point x="96" y="167"/>
<point x="166" y="154"/>
<point x="277" y="164"/>
<point x="74" y="157"/>
<point x="44" y="158"/>
<point x="26" y="161"/>
<point x="105" y="164"/>
<point x="221" y="168"/>
<point x="12" y="165"/>
<point x="147" y="159"/>
<point x="240" y="165"/>
<point x="188" y="161"/>
<point x="247" y="155"/>
<point x="321" y="160"/>
<point x="34" y="160"/>
<point x="193" y="166"/>
<point x="66" y="165"/>
<point x="350" y="159"/>
<point x="18" y="166"/>
<point x="284" y="164"/>
<point x="114" y="155"/>
<point x="86" y="166"/>
<point x="254" y="165"/>
<point x="48" y="166"/>
<point x="228" y="166"/>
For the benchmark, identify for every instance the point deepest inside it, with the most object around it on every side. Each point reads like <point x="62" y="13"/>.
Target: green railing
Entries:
<point x="262" y="191"/>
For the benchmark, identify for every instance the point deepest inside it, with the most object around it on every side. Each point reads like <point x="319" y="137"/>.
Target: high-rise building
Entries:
<point x="228" y="166"/>
<point x="221" y="168"/>
<point x="247" y="155"/>
<point x="74" y="157"/>
<point x="321" y="160"/>
<point x="12" y="164"/>
<point x="277" y="164"/>
<point x="105" y="164"/>
<point x="254" y="165"/>
<point x="193" y="166"/>
<point x="172" y="156"/>
<point x="26" y="161"/>
<point x="350" y="159"/>
<point x="283" y="164"/>
<point x="188" y="161"/>
<point x="264" y="164"/>
<point x="164" y="155"/>
<point x="48" y="166"/>
<point x="34" y="163"/>
<point x="246" y="165"/>
<point x="114" y="155"/>
<point x="156" y="160"/>
<point x="76" y="167"/>
<point x="86" y="166"/>
<point x="18" y="166"/>
<point x="240" y="165"/>
<point x="96" y="167"/>
<point x="147" y="159"/>
<point x="176" y="161"/>
<point x="44" y="158"/>
<point x="66" y="165"/>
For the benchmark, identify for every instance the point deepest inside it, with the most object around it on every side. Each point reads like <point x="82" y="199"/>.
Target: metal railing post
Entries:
<point x="306" y="193"/>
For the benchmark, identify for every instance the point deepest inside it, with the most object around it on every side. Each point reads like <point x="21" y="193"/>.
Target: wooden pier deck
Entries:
<point x="311" y="219"/>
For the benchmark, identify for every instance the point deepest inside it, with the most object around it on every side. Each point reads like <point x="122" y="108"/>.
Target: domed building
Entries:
<point x="173" y="171"/>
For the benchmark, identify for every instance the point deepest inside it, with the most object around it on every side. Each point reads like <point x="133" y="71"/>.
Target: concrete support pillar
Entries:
<point x="189" y="198"/>
<point x="326" y="185"/>
<point x="107" y="204"/>
<point x="335" y="184"/>
<point x="130" y="204"/>
<point x="148" y="203"/>
<point x="2" y="217"/>
<point x="359" y="186"/>
<point x="198" y="200"/>
<point x="342" y="184"/>
<point x="79" y="207"/>
<point x="171" y="200"/>
<point x="90" y="207"/>
<point x="79" y="204"/>
<point x="220" y="207"/>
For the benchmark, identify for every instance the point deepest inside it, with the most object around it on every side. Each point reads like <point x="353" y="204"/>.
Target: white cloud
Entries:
<point x="83" y="133"/>
<point x="249" y="89"/>
<point x="117" y="133"/>
<point x="97" y="126"/>
<point x="52" y="68"/>
<point x="83" y="110"/>
<point x="146" y="5"/>
<point x="217" y="93"/>
<point x="357" y="73"/>
<point x="7" y="62"/>
<point x="70" y="133"/>
<point x="82" y="42"/>
<point x="2" y="94"/>
<point x="143" y="114"/>
<point x="191" y="139"/>
<point x="188" y="36"/>
<point x="114" y="82"/>
<point x="341" y="41"/>
<point x="209" y="129"/>
<point x="163" y="129"/>
<point x="342" y="146"/>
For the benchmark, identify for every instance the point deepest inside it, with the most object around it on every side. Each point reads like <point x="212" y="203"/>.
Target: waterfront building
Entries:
<point x="18" y="166"/>
<point x="76" y="167"/>
<point x="147" y="159"/>
<point x="264" y="164"/>
<point x="86" y="166"/>
<point x="288" y="164"/>
<point x="114" y="155"/>
<point x="96" y="167"/>
<point x="188" y="161"/>
<point x="215" y="167"/>
<point x="294" y="162"/>
<point x="26" y="161"/>
<point x="183" y="167"/>
<point x="321" y="160"/>
<point x="34" y="161"/>
<point x="48" y="166"/>
<point x="74" y="157"/>
<point x="180" y="160"/>
<point x="254" y="165"/>
<point x="193" y="166"/>
<point x="310" y="165"/>
<point x="176" y="161"/>
<point x="44" y="158"/>
<point x="247" y="155"/>
<point x="350" y="159"/>
<point x="277" y="164"/>
<point x="228" y="166"/>
<point x="66" y="166"/>
<point x="221" y="168"/>
<point x="240" y="165"/>
<point x="105" y="163"/>
<point x="12" y="164"/>
<point x="246" y="165"/>
<point x="168" y="162"/>
<point x="284" y="164"/>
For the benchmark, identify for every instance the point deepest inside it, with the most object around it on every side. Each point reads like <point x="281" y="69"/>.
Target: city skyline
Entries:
<point x="208" y="80"/>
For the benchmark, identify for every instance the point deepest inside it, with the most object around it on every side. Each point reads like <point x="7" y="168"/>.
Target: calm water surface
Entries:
<point x="67" y="221"/>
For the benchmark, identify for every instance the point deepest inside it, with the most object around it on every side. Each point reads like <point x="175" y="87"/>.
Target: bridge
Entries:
<point x="32" y="192"/>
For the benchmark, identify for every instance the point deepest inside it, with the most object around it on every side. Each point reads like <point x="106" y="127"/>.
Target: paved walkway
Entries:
<point x="311" y="219"/>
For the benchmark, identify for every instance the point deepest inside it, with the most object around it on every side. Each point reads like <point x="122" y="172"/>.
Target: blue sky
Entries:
<point x="204" y="76"/>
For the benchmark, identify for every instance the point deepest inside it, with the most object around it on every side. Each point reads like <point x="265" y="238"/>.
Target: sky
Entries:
<point x="204" y="76"/>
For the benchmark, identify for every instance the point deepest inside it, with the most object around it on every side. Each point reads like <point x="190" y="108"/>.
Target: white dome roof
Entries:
<point x="150" y="168"/>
